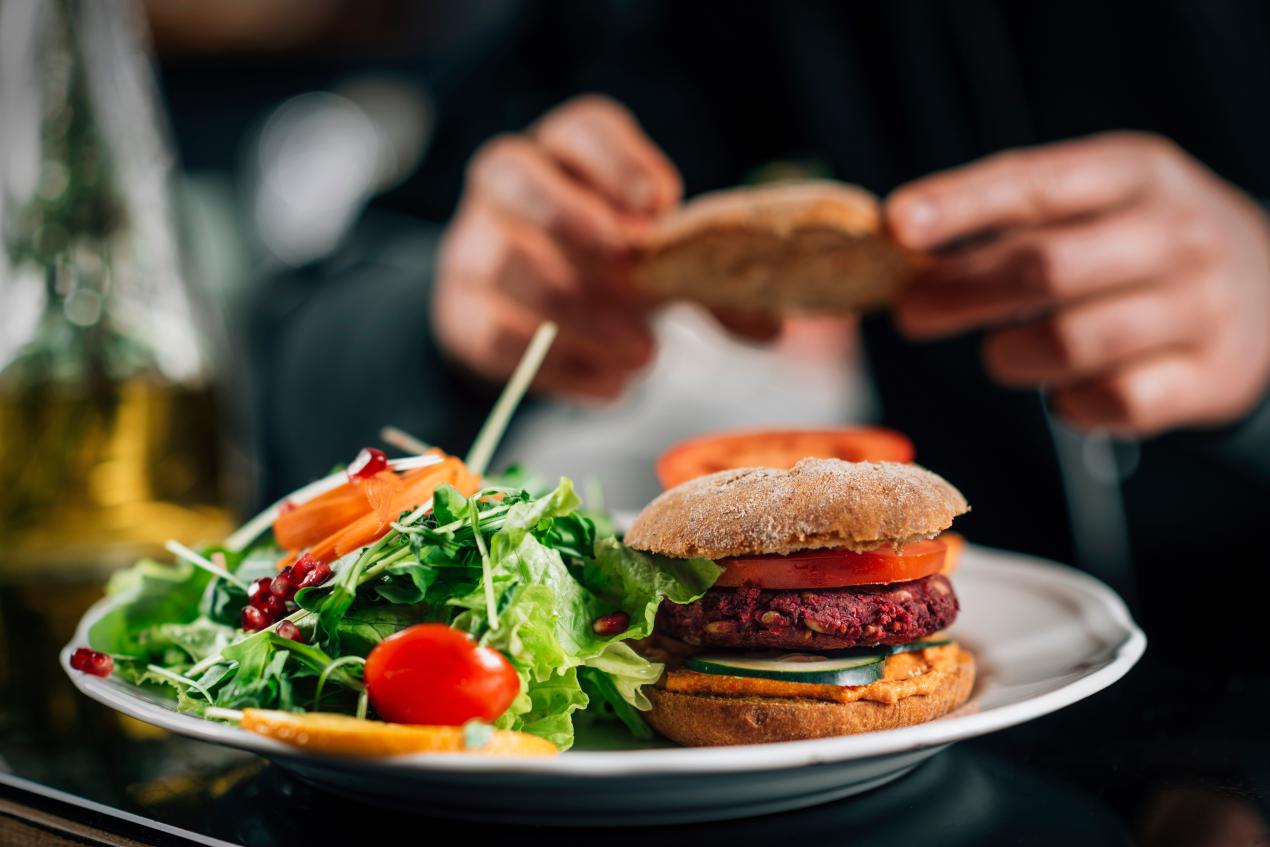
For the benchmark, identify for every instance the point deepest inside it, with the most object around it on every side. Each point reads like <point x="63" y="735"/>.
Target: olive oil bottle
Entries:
<point x="109" y="427"/>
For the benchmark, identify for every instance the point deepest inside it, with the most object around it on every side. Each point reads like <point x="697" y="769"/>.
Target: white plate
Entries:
<point x="1044" y="635"/>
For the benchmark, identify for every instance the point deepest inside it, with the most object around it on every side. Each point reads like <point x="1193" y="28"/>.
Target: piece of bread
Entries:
<point x="705" y="721"/>
<point x="817" y="503"/>
<point x="813" y="246"/>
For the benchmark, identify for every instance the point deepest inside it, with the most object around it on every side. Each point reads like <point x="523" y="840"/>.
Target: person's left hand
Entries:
<point x="1116" y="270"/>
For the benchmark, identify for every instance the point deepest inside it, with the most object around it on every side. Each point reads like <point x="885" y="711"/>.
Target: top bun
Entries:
<point x="812" y="246"/>
<point x="817" y="503"/>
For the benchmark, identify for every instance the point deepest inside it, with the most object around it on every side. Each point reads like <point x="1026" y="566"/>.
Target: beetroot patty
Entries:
<point x="825" y="618"/>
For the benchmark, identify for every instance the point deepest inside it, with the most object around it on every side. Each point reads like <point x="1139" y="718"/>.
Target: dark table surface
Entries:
<point x="1177" y="753"/>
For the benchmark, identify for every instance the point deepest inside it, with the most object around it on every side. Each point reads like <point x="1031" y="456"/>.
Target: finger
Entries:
<point x="488" y="332"/>
<point x="609" y="277"/>
<point x="511" y="256"/>
<point x="1024" y="188"/>
<point x="1097" y="336"/>
<point x="624" y="331"/>
<point x="581" y="382"/>
<point x="603" y="341"/>
<point x="597" y="139"/>
<point x="1141" y="399"/>
<point x="599" y="333"/>
<point x="520" y="262"/>
<point x="1035" y="269"/>
<point x="515" y="175"/>
<point x="524" y="263"/>
<point x="752" y="326"/>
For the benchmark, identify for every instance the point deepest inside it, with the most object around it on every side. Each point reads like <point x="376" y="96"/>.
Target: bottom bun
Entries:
<point x="702" y="720"/>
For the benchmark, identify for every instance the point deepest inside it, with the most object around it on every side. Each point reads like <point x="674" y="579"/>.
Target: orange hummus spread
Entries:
<point x="905" y="675"/>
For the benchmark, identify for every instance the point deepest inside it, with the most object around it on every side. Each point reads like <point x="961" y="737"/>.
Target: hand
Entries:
<point x="548" y="222"/>
<point x="1116" y="270"/>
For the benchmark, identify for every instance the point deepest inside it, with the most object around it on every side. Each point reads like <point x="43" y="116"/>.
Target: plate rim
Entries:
<point x="683" y="760"/>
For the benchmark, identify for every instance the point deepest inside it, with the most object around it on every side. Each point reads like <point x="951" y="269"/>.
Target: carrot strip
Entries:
<point x="330" y="511"/>
<point x="371" y="527"/>
<point x="306" y="526"/>
<point x="382" y="491"/>
<point x="353" y="489"/>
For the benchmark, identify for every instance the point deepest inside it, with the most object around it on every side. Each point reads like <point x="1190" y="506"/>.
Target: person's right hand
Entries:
<point x="545" y="230"/>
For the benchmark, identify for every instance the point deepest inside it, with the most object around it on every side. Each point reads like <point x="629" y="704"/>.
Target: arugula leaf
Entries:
<point x="407" y="582"/>
<point x="223" y="601"/>
<point x="332" y="608"/>
<point x="254" y="683"/>
<point x="261" y="671"/>
<point x="365" y="625"/>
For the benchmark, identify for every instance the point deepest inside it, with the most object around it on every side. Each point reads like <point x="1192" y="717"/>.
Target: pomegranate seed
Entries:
<point x="254" y="619"/>
<point x="286" y="506"/>
<point x="301" y="569"/>
<point x="611" y="624"/>
<point x="367" y="463"/>
<point x="258" y="592"/>
<point x="288" y="629"/>
<point x="275" y="607"/>
<point x="321" y="573"/>
<point x="282" y="586"/>
<point x="92" y="662"/>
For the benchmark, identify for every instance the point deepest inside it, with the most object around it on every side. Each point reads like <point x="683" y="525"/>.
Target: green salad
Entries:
<point x="527" y="575"/>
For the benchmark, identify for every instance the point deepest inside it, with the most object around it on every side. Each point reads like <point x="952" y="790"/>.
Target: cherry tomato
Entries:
<point x="434" y="674"/>
<point x="834" y="568"/>
<point x="779" y="448"/>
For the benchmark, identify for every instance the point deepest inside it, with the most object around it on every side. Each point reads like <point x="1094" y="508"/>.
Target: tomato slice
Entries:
<point x="779" y="448"/>
<point x="833" y="568"/>
<point x="955" y="544"/>
<point x="433" y="674"/>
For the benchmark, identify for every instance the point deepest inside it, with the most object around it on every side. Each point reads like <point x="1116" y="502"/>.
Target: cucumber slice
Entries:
<point x="885" y="649"/>
<point x="852" y="666"/>
<point x="797" y="667"/>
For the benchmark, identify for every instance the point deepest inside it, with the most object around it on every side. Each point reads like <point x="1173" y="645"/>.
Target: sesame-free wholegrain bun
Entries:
<point x="817" y="503"/>
<point x="814" y="246"/>
<point x="699" y="720"/>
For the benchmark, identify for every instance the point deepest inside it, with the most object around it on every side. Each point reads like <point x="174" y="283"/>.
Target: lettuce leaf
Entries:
<point x="546" y="610"/>
<point x="636" y="582"/>
<point x="550" y="707"/>
<point x="607" y="702"/>
<point x="173" y="644"/>
<point x="147" y="595"/>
